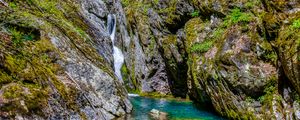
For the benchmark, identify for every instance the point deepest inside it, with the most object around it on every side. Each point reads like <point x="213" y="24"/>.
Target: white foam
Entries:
<point x="133" y="95"/>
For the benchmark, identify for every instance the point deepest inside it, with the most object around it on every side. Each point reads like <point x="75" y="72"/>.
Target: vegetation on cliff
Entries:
<point x="34" y="83"/>
<point x="242" y="57"/>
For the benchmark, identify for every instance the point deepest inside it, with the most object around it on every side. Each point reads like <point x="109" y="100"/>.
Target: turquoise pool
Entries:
<point x="177" y="110"/>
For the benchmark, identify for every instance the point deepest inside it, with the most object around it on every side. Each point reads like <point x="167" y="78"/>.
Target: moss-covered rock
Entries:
<point x="56" y="62"/>
<point x="241" y="57"/>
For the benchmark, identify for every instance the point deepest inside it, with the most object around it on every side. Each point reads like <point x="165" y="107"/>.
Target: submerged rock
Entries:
<point x="158" y="115"/>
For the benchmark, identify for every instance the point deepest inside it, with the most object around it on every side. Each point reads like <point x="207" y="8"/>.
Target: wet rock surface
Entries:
<point x="158" y="115"/>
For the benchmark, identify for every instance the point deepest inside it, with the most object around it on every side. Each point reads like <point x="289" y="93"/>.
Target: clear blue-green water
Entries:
<point x="177" y="110"/>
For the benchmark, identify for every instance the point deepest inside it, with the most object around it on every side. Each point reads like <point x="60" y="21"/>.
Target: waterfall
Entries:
<point x="117" y="53"/>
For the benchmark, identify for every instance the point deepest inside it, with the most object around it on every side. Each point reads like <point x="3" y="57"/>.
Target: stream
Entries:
<point x="177" y="110"/>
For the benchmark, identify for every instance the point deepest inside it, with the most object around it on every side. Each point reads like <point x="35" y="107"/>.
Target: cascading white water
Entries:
<point x="117" y="53"/>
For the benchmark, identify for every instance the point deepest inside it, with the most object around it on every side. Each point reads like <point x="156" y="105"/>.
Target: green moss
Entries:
<point x="269" y="91"/>
<point x="170" y="11"/>
<point x="152" y="45"/>
<point x="236" y="16"/>
<point x="232" y="114"/>
<point x="68" y="94"/>
<point x="5" y="78"/>
<point x="202" y="47"/>
<point x="209" y="41"/>
<point x="248" y="116"/>
<point x="13" y="91"/>
<point x="139" y="9"/>
<point x="296" y="24"/>
<point x="15" y="64"/>
<point x="34" y="99"/>
<point x="135" y="9"/>
<point x="125" y="72"/>
<point x="18" y="37"/>
<point x="61" y="15"/>
<point x="192" y="28"/>
<point x="134" y="91"/>
<point x="166" y="45"/>
<point x="133" y="78"/>
<point x="252" y="4"/>
<point x="156" y="2"/>
<point x="269" y="54"/>
<point x="155" y="95"/>
<point x="195" y="14"/>
<point x="126" y="78"/>
<point x="297" y="96"/>
<point x="30" y="59"/>
<point x="271" y="57"/>
<point x="29" y="70"/>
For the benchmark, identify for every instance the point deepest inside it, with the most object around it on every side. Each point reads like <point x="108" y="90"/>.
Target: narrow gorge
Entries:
<point x="108" y="59"/>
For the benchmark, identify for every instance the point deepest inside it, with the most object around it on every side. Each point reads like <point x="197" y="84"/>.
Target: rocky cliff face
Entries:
<point x="56" y="61"/>
<point x="156" y="59"/>
<point x="241" y="57"/>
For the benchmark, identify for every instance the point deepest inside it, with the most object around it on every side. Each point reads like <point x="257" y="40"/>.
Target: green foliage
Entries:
<point x="18" y="37"/>
<point x="269" y="53"/>
<point x="236" y="16"/>
<point x="12" y="5"/>
<point x="125" y="3"/>
<point x="156" y="2"/>
<point x="26" y="66"/>
<point x="296" y="24"/>
<point x="252" y="3"/>
<point x="269" y="91"/>
<point x="202" y="47"/>
<point x="271" y="56"/>
<point x="218" y="33"/>
<point x="5" y="78"/>
<point x="125" y="72"/>
<point x="208" y="42"/>
<point x="195" y="14"/>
